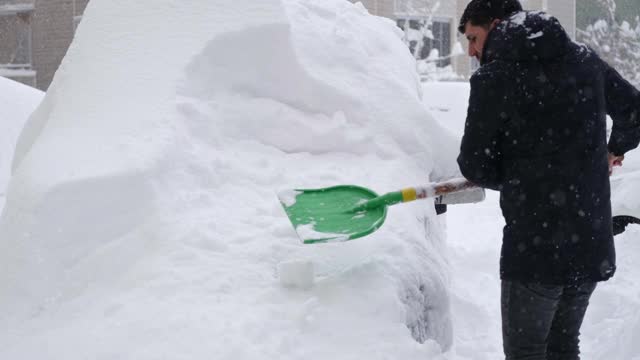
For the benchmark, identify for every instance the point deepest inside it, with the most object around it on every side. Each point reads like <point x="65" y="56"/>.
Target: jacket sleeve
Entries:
<point x="480" y="150"/>
<point x="623" y="105"/>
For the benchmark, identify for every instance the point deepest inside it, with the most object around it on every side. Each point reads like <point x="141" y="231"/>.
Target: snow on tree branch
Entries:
<point x="616" y="42"/>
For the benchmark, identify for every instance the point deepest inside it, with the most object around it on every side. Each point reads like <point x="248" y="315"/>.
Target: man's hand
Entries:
<point x="614" y="161"/>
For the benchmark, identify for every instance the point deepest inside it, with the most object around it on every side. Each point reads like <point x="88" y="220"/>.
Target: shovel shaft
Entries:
<point x="381" y="201"/>
<point x="416" y="193"/>
<point x="443" y="188"/>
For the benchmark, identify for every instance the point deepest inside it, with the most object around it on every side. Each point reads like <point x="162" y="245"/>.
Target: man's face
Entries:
<point x="477" y="36"/>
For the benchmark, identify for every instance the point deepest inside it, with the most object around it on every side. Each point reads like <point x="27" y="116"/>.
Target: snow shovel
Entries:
<point x="347" y="212"/>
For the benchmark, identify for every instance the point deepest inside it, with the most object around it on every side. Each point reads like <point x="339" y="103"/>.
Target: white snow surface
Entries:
<point x="625" y="197"/>
<point x="17" y="102"/>
<point x="142" y="220"/>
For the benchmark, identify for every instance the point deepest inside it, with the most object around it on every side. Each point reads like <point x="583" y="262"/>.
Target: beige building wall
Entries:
<point x="79" y="7"/>
<point x="16" y="56"/>
<point x="52" y="27"/>
<point x="52" y="35"/>
<point x="9" y="30"/>
<point x="53" y="31"/>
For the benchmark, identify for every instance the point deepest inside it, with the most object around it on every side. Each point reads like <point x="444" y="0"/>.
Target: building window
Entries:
<point x="428" y="42"/>
<point x="15" y="25"/>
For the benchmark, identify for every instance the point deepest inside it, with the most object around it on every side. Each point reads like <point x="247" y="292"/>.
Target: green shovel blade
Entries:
<point x="328" y="215"/>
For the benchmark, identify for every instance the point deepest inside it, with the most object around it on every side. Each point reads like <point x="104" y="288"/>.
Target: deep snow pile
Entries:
<point x="17" y="102"/>
<point x="142" y="221"/>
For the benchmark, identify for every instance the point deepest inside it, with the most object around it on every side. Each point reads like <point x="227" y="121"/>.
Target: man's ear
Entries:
<point x="494" y="23"/>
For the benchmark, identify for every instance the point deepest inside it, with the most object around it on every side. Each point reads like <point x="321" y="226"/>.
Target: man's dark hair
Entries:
<point x="483" y="12"/>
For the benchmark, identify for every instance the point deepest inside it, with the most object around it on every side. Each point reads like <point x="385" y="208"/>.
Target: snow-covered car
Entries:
<point x="142" y="219"/>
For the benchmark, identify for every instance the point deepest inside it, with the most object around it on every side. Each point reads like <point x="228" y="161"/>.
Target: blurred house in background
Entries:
<point x="445" y="15"/>
<point x="35" y="35"/>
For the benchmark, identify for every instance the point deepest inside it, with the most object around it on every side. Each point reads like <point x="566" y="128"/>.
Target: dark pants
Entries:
<point x="542" y="322"/>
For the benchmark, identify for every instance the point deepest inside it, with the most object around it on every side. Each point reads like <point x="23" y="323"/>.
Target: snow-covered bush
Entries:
<point x="616" y="42"/>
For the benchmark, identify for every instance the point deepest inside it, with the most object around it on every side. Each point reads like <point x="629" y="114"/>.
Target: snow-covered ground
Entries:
<point x="17" y="102"/>
<point x="474" y="233"/>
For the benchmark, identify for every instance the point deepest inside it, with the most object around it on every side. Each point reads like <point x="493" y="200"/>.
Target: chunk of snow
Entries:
<point x="288" y="197"/>
<point x="535" y="35"/>
<point x="296" y="273"/>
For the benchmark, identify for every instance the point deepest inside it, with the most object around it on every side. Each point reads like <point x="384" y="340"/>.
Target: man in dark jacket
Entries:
<point x="536" y="132"/>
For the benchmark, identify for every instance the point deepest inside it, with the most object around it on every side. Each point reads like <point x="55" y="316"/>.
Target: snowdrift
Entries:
<point x="142" y="221"/>
<point x="17" y="102"/>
